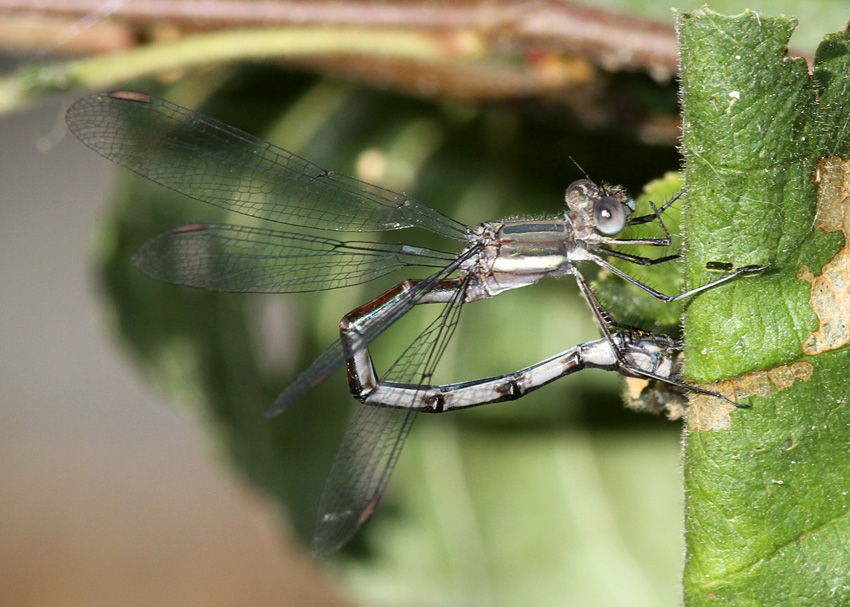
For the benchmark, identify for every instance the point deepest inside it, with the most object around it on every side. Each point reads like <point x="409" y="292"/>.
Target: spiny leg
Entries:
<point x="637" y="259"/>
<point x="657" y="212"/>
<point x="669" y="298"/>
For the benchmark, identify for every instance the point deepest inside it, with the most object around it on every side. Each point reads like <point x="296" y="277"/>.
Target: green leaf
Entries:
<point x="766" y="488"/>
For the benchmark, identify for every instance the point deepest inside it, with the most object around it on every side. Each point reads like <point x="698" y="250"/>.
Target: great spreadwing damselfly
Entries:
<point x="215" y="163"/>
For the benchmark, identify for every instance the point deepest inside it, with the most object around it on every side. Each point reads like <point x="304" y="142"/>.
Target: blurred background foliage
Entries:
<point x="467" y="477"/>
<point x="561" y="497"/>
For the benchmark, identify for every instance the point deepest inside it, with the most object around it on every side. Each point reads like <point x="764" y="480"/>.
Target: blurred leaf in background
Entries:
<point x="467" y="480"/>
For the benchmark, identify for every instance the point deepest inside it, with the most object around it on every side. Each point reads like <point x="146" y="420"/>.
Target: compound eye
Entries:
<point x="609" y="215"/>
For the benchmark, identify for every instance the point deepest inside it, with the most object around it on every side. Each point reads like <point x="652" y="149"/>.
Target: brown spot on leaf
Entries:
<point x="655" y="397"/>
<point x="710" y="413"/>
<point x="830" y="293"/>
<point x="635" y="387"/>
<point x="784" y="376"/>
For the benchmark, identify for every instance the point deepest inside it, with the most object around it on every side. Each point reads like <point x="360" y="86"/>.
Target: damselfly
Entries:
<point x="218" y="164"/>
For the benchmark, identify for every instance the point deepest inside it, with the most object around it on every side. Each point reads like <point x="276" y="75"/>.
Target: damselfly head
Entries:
<point x="606" y="209"/>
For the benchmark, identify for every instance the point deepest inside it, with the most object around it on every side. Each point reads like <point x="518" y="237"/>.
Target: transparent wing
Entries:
<point x="379" y="320"/>
<point x="252" y="260"/>
<point x="359" y="474"/>
<point x="210" y="161"/>
<point x="419" y="361"/>
<point x="374" y="439"/>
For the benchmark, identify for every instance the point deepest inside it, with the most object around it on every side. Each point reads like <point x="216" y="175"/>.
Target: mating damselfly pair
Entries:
<point x="212" y="162"/>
